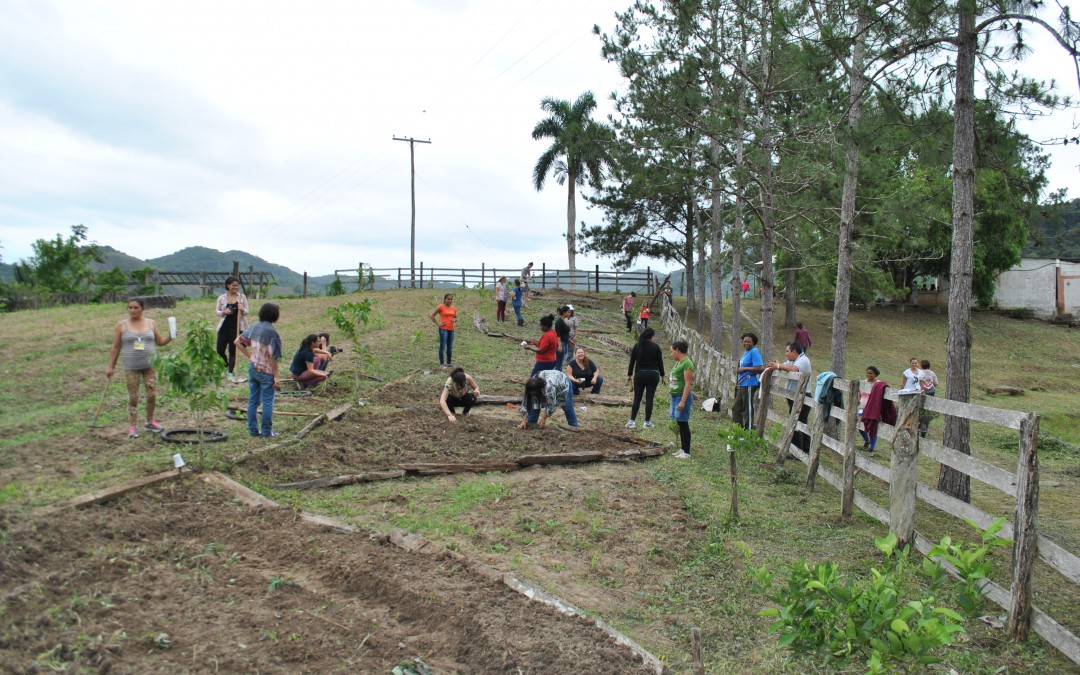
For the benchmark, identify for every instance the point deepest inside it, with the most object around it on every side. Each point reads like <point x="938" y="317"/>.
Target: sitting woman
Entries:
<point x="324" y="353"/>
<point x="584" y="373"/>
<point x="544" y="392"/>
<point x="303" y="364"/>
<point x="460" y="390"/>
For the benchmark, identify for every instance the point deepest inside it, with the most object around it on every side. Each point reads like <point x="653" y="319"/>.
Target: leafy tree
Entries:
<point x="144" y="281"/>
<point x="350" y="318"/>
<point x="582" y="144"/>
<point x="111" y="284"/>
<point x="61" y="265"/>
<point x="195" y="373"/>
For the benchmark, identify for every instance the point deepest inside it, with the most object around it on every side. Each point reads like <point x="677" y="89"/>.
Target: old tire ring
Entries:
<point x="294" y="393"/>
<point x="236" y="413"/>
<point x="192" y="436"/>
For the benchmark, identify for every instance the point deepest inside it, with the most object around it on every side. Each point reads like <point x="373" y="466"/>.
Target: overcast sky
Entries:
<point x="267" y="126"/>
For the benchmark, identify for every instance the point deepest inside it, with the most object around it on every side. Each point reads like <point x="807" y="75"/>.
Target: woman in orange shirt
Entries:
<point x="447" y="313"/>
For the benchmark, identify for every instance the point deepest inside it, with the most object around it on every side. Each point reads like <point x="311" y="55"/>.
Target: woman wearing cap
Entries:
<point x="562" y="331"/>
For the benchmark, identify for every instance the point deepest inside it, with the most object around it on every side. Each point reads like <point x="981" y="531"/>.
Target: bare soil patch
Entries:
<point x="182" y="578"/>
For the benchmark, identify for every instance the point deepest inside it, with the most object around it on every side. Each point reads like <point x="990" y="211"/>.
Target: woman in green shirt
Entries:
<point x="682" y="399"/>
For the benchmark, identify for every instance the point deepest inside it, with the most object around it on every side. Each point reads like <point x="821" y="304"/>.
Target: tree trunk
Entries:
<point x="688" y="255"/>
<point x="789" y="296"/>
<point x="845" y="252"/>
<point x="701" y="268"/>
<point x="571" y="216"/>
<point x="768" y="223"/>
<point x="958" y="352"/>
<point x="716" y="323"/>
<point x="737" y="240"/>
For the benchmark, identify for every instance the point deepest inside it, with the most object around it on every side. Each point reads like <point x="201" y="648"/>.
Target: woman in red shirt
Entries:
<point x="545" y="347"/>
<point x="446" y="313"/>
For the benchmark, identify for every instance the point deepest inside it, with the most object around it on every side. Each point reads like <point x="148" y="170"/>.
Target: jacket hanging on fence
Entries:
<point x="825" y="395"/>
<point x="878" y="407"/>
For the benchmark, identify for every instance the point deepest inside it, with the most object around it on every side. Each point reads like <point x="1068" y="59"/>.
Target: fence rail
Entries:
<point x="595" y="280"/>
<point x="717" y="378"/>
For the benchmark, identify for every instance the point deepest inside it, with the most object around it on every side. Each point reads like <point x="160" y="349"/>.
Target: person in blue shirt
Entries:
<point x="518" y="301"/>
<point x="747" y="382"/>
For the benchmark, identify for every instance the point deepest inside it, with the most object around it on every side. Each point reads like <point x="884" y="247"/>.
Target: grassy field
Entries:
<point x="560" y="528"/>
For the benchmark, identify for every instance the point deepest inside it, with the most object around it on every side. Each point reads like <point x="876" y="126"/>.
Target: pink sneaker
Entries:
<point x="133" y="432"/>
<point x="153" y="426"/>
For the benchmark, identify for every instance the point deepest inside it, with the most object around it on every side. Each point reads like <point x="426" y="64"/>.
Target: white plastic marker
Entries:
<point x="178" y="461"/>
<point x="524" y="342"/>
<point x="172" y="330"/>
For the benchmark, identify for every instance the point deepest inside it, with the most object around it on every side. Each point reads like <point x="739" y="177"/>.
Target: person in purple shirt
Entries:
<point x="802" y="336"/>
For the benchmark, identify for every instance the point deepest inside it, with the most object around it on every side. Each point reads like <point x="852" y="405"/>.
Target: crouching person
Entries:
<point x="460" y="390"/>
<point x="544" y="392"/>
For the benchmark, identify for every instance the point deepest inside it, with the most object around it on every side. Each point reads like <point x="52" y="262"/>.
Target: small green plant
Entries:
<point x="349" y="317"/>
<point x="970" y="563"/>
<point x="277" y="583"/>
<point x="738" y="440"/>
<point x="416" y="337"/>
<point x="195" y="373"/>
<point x="882" y="619"/>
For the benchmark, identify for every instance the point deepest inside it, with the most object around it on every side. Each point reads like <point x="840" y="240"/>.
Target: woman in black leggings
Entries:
<point x="648" y="359"/>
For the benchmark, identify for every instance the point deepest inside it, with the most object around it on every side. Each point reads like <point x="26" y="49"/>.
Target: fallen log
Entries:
<point x="338" y="481"/>
<point x="311" y="425"/>
<point x="639" y="453"/>
<point x="338" y="412"/>
<point x="440" y="468"/>
<point x="110" y="493"/>
<point x="1005" y="389"/>
<point x="561" y="458"/>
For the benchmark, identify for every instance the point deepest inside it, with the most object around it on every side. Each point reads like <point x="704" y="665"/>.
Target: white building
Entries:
<point x="1048" y="287"/>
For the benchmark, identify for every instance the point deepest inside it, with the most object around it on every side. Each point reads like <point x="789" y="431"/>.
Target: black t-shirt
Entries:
<point x="304" y="356"/>
<point x="583" y="374"/>
<point x="562" y="329"/>
<point x="646" y="356"/>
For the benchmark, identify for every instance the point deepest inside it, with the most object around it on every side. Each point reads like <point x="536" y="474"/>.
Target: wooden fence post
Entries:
<point x="817" y="430"/>
<point x="902" y="470"/>
<point x="765" y="392"/>
<point x="1025" y="535"/>
<point x="597" y="278"/>
<point x="851" y="421"/>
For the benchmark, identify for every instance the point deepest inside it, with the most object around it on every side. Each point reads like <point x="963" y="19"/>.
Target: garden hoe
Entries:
<point x="93" y="425"/>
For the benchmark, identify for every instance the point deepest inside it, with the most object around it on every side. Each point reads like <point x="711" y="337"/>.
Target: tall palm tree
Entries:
<point x="577" y="156"/>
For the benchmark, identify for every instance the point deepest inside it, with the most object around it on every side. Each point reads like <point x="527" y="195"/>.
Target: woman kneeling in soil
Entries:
<point x="460" y="390"/>
<point x="305" y="365"/>
<point x="543" y="392"/>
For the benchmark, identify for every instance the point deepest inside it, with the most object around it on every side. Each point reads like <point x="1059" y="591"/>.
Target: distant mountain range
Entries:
<point x="202" y="259"/>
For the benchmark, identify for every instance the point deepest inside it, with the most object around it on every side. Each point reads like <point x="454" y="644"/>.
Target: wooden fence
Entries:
<point x="716" y="377"/>
<point x="595" y="280"/>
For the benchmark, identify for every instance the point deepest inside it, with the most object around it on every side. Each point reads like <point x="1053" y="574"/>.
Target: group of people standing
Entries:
<point x="136" y="338"/>
<point x="874" y="408"/>
<point x="518" y="296"/>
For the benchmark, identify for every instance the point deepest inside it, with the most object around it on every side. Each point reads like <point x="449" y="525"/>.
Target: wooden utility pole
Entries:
<point x="412" y="185"/>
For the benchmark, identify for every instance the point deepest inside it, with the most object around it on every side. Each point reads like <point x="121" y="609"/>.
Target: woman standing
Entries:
<point x="584" y="373"/>
<point x="136" y="339"/>
<point x="929" y="388"/>
<point x="643" y="318"/>
<point x="262" y="345"/>
<point x="460" y="390"/>
<point x="872" y="408"/>
<point x="545" y="348"/>
<point x="305" y="367"/>
<point x="232" y="306"/>
<point x="500" y="299"/>
<point x="447" y="313"/>
<point x="912" y="376"/>
<point x="648" y="359"/>
<point x="519" y="294"/>
<point x="562" y="331"/>
<point x="682" y="399"/>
